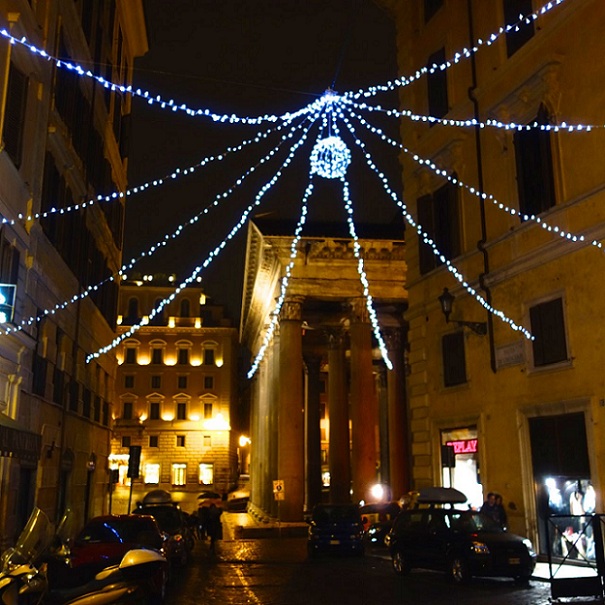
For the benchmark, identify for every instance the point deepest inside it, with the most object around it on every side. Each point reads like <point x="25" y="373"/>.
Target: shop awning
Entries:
<point x="16" y="441"/>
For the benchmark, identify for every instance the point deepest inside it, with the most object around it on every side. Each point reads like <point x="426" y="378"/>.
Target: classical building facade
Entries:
<point x="491" y="410"/>
<point x="327" y="418"/>
<point x="64" y="141"/>
<point x="175" y="391"/>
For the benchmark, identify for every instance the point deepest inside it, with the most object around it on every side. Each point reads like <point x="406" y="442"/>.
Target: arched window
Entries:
<point x="158" y="319"/>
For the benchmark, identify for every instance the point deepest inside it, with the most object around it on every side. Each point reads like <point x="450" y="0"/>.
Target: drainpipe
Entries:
<point x="481" y="243"/>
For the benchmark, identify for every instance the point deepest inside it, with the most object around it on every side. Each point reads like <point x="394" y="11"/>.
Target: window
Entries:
<point x="157" y="355"/>
<point x="517" y="36"/>
<point x="156" y="381"/>
<point x="430" y="8"/>
<point x="208" y="382"/>
<point x="207" y="410"/>
<point x="131" y="355"/>
<point x="208" y="357"/>
<point x="206" y="474"/>
<point x="126" y="441"/>
<point x="438" y="215"/>
<point x="132" y="316"/>
<point x="154" y="410"/>
<point x="129" y="381"/>
<point x="185" y="308"/>
<point x="454" y="363"/>
<point x="151" y="473"/>
<point x="158" y="318"/>
<point x="127" y="410"/>
<point x="179" y="474"/>
<point x="181" y="411"/>
<point x="154" y="441"/>
<point x="183" y="358"/>
<point x="207" y="441"/>
<point x="14" y="115"/>
<point x="548" y="329"/>
<point x="182" y="382"/>
<point x="180" y="440"/>
<point x="9" y="262"/>
<point x="535" y="179"/>
<point x="437" y="85"/>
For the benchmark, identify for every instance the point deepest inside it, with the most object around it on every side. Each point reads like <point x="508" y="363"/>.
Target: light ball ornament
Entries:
<point x="330" y="158"/>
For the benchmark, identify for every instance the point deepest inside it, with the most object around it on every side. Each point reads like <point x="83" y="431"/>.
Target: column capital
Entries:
<point x="358" y="308"/>
<point x="335" y="337"/>
<point x="292" y="308"/>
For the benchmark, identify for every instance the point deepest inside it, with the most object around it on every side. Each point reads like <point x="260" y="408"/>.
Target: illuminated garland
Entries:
<point x="244" y="217"/>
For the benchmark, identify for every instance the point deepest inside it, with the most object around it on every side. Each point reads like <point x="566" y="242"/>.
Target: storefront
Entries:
<point x="460" y="463"/>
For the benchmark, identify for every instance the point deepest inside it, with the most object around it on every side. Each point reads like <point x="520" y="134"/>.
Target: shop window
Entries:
<point x="206" y="473"/>
<point x="517" y="37"/>
<point x="156" y="381"/>
<point x="181" y="411"/>
<point x="438" y="216"/>
<point x="151" y="473"/>
<point x="207" y="411"/>
<point x="534" y="165"/>
<point x="180" y="440"/>
<point x="182" y="382"/>
<point x="548" y="329"/>
<point x="208" y="382"/>
<point x="430" y="8"/>
<point x="154" y="441"/>
<point x="126" y="441"/>
<point x="154" y="410"/>
<point x="437" y="85"/>
<point x="183" y="357"/>
<point x="129" y="381"/>
<point x="127" y="410"/>
<point x="454" y="364"/>
<point x="179" y="474"/>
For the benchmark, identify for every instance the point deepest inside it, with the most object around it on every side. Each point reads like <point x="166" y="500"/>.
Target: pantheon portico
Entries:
<point x="323" y="403"/>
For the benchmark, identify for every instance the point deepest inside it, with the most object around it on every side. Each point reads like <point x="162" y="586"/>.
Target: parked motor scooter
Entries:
<point x="26" y="573"/>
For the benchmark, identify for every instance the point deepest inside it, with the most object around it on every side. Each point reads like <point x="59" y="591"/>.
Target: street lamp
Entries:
<point x="446" y="300"/>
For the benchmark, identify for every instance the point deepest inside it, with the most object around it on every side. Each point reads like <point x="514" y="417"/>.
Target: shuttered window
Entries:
<point x="14" y="115"/>
<point x="548" y="328"/>
<point x="517" y="36"/>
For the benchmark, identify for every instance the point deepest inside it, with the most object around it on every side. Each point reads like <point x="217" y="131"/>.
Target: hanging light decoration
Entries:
<point x="330" y="158"/>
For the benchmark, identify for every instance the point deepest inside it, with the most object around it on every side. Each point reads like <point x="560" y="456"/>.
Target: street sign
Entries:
<point x="278" y="489"/>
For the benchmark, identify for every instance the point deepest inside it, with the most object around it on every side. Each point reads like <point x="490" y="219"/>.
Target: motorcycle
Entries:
<point x="26" y="576"/>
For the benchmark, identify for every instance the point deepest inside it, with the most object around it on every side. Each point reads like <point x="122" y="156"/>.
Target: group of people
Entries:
<point x="493" y="507"/>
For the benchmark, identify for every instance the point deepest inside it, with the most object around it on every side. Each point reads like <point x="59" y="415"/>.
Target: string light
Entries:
<point x="330" y="158"/>
<point x="465" y="53"/>
<point x="562" y="233"/>
<point x="213" y="254"/>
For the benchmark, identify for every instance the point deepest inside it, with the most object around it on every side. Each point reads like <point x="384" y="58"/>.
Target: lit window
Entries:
<point x="152" y="473"/>
<point x="179" y="474"/>
<point x="207" y="411"/>
<point x="207" y="441"/>
<point x="206" y="474"/>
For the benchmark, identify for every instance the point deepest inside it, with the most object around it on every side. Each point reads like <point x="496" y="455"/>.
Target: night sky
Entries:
<point x="248" y="57"/>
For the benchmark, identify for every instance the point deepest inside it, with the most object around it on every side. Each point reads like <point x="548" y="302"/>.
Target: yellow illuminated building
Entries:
<point x="176" y="389"/>
<point x="490" y="409"/>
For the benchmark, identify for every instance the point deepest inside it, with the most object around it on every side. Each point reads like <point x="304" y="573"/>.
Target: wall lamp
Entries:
<point x="446" y="300"/>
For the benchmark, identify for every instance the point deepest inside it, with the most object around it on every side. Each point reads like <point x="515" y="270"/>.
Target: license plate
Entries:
<point x="514" y="561"/>
<point x="334" y="542"/>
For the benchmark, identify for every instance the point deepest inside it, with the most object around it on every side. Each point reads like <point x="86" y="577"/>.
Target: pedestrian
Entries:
<point x="500" y="512"/>
<point x="214" y="527"/>
<point x="489" y="506"/>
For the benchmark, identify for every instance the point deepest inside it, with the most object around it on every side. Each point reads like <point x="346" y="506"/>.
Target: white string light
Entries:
<point x="566" y="235"/>
<point x="427" y="239"/>
<point x="213" y="254"/>
<point x="465" y="53"/>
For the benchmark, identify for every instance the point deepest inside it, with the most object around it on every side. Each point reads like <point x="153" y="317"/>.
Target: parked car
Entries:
<point x="463" y="543"/>
<point x="178" y="538"/>
<point x="335" y="528"/>
<point x="105" y="540"/>
<point x="377" y="520"/>
<point x="237" y="501"/>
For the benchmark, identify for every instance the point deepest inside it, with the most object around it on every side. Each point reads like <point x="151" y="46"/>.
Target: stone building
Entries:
<point x="324" y="409"/>
<point x="176" y="389"/>
<point x="64" y="141"/>
<point x="491" y="410"/>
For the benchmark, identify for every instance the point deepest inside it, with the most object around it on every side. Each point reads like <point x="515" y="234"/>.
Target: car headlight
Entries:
<point x="480" y="548"/>
<point x="528" y="544"/>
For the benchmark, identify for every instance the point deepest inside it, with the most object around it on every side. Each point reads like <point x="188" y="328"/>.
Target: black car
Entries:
<point x="463" y="543"/>
<point x="335" y="528"/>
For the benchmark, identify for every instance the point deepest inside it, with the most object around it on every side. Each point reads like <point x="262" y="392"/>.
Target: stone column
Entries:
<point x="364" y="404"/>
<point x="399" y="460"/>
<point x="339" y="455"/>
<point x="290" y="464"/>
<point x="313" y="431"/>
